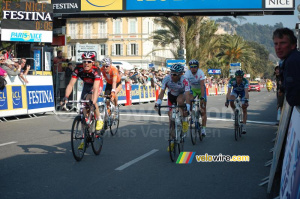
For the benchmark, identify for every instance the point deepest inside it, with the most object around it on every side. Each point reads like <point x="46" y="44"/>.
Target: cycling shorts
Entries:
<point x="88" y="89"/>
<point x="197" y="92"/>
<point x="109" y="87"/>
<point x="240" y="94"/>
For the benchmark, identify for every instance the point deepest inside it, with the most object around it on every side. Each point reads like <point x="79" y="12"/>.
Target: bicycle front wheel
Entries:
<point x="78" y="139"/>
<point x="114" y="124"/>
<point x="193" y="130"/>
<point x="236" y="125"/>
<point x="97" y="141"/>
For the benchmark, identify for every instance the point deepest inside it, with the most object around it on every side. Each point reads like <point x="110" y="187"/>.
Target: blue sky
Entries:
<point x="287" y="20"/>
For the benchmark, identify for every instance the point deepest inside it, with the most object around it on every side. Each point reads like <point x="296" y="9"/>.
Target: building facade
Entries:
<point x="122" y="39"/>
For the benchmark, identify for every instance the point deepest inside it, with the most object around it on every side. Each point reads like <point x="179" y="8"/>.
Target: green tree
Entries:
<point x="234" y="48"/>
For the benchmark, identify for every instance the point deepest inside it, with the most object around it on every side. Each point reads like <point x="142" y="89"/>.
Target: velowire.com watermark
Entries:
<point x="187" y="158"/>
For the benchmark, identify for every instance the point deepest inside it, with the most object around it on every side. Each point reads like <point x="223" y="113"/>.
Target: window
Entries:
<point x="103" y="49"/>
<point x="117" y="49"/>
<point x="132" y="26"/>
<point x="102" y="30"/>
<point x="72" y="51"/>
<point x="117" y="26"/>
<point x="87" y="30"/>
<point x="132" y="49"/>
<point x="72" y="28"/>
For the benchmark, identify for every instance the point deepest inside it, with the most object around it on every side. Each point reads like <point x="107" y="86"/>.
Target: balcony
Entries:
<point x="99" y="36"/>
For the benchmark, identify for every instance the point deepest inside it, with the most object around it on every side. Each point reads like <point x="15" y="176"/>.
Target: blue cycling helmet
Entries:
<point x="239" y="73"/>
<point x="178" y="68"/>
<point x="193" y="62"/>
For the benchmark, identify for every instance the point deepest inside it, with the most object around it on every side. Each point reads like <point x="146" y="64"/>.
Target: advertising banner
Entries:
<point x="37" y="60"/>
<point x="214" y="71"/>
<point x="3" y="99"/>
<point x="170" y="62"/>
<point x="26" y="21"/>
<point x="290" y="175"/>
<point x="192" y="4"/>
<point x="39" y="97"/>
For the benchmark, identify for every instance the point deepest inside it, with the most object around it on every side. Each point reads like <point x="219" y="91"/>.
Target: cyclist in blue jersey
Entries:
<point x="238" y="87"/>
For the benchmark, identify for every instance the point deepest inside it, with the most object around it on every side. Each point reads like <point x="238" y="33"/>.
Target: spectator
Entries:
<point x="57" y="62"/>
<point x="285" y="43"/>
<point x="10" y="68"/>
<point x="3" y="73"/>
<point x="24" y="69"/>
<point x="7" y="54"/>
<point x="2" y="81"/>
<point x="68" y="73"/>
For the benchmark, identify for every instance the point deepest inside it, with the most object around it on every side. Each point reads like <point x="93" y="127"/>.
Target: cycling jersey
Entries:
<point x="88" y="77"/>
<point x="112" y="73"/>
<point x="238" y="88"/>
<point x="176" y="88"/>
<point x="195" y="79"/>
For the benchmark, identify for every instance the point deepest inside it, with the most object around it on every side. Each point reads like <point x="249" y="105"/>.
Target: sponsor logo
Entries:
<point x="3" y="99"/>
<point x="101" y="5"/>
<point x="26" y="36"/>
<point x="17" y="97"/>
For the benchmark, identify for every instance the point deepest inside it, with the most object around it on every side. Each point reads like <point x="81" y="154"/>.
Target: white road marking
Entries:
<point x="209" y="118"/>
<point x="124" y="166"/>
<point x="7" y="143"/>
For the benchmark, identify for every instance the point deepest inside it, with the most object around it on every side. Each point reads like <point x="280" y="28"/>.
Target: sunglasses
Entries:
<point x="106" y="66"/>
<point x="174" y="74"/>
<point x="87" y="62"/>
<point x="2" y="59"/>
<point x="193" y="66"/>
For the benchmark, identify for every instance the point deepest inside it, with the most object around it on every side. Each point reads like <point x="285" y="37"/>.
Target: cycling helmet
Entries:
<point x="193" y="62"/>
<point x="88" y="55"/>
<point x="106" y="61"/>
<point x="178" y="68"/>
<point x="239" y="73"/>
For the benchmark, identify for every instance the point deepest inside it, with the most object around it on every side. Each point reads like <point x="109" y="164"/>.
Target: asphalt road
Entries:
<point x="36" y="159"/>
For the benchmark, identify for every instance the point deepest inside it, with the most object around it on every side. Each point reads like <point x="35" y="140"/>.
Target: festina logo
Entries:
<point x="59" y="6"/>
<point x="279" y="3"/>
<point x="28" y="16"/>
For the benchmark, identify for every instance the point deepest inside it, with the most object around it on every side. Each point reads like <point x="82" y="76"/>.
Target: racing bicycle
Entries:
<point x="238" y="118"/>
<point x="110" y="116"/>
<point x="175" y="125"/>
<point x="195" y="124"/>
<point x="84" y="131"/>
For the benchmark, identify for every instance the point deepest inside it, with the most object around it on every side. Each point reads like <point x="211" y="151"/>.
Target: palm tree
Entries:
<point x="234" y="49"/>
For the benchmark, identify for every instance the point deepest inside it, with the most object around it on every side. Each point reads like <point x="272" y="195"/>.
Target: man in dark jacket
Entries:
<point x="285" y="43"/>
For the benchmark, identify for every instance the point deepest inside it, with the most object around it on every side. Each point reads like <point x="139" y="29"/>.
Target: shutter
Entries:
<point x="121" y="49"/>
<point x="136" y="49"/>
<point x="113" y="49"/>
<point x="106" y="49"/>
<point x="128" y="49"/>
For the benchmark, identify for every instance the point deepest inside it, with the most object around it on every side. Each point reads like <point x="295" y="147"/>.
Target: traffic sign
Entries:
<point x="81" y="48"/>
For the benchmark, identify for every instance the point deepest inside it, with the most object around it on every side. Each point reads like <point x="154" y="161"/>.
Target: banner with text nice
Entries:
<point x="40" y="98"/>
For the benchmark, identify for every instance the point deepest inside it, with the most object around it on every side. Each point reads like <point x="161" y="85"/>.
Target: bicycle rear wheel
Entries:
<point x="114" y="124"/>
<point x="97" y="140"/>
<point x="78" y="139"/>
<point x="236" y="125"/>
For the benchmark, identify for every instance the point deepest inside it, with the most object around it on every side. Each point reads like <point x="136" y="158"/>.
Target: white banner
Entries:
<point x="26" y="35"/>
<point x="290" y="176"/>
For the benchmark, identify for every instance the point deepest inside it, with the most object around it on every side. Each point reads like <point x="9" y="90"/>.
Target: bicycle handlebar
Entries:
<point x="167" y="106"/>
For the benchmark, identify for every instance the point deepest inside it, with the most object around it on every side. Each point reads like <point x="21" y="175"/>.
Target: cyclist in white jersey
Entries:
<point x="196" y="78"/>
<point x="178" y="92"/>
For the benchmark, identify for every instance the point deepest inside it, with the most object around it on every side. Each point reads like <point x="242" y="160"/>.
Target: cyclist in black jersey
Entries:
<point x="91" y="77"/>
